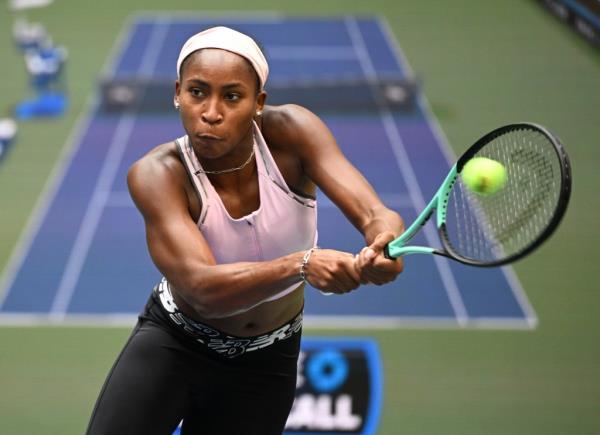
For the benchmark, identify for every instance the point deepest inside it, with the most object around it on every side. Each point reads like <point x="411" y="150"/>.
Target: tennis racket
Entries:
<point x="498" y="228"/>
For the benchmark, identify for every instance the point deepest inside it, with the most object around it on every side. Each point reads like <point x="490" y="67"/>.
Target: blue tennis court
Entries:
<point x="84" y="259"/>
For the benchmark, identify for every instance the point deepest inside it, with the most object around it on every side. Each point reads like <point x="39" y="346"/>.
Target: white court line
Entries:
<point x="154" y="47"/>
<point x="105" y="180"/>
<point x="176" y="17"/>
<point x="306" y="52"/>
<point x="408" y="174"/>
<point x="444" y="145"/>
<point x="410" y="322"/>
<point x="117" y="51"/>
<point x="89" y="224"/>
<point x="354" y="322"/>
<point x="119" y="199"/>
<point x="56" y="178"/>
<point x="77" y="320"/>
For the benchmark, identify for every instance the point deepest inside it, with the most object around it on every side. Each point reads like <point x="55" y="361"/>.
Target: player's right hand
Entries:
<point x="332" y="271"/>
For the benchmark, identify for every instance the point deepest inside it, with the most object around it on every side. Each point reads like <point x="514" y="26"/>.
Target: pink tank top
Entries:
<point x="283" y="223"/>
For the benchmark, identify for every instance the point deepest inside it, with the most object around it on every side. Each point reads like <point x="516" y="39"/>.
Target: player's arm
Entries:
<point x="325" y="164"/>
<point x="182" y="254"/>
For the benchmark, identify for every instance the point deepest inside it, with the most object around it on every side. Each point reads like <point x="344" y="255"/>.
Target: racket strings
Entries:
<point x="493" y="227"/>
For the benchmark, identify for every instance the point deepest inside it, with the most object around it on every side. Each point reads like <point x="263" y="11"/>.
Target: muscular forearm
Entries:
<point x="221" y="290"/>
<point x="382" y="220"/>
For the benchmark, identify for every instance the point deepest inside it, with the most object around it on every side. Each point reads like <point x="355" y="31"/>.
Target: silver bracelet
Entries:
<point x="305" y="261"/>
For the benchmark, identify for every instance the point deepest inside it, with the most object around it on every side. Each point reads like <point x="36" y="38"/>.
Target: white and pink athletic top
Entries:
<point x="283" y="223"/>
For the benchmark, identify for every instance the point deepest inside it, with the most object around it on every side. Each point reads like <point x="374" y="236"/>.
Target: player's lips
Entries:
<point x="208" y="136"/>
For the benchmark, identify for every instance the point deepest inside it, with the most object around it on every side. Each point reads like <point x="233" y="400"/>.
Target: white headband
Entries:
<point x="228" y="39"/>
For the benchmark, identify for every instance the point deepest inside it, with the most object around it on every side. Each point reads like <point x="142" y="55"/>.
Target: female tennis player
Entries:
<point x="230" y="216"/>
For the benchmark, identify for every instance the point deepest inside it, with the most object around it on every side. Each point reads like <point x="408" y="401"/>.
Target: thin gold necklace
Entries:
<point x="224" y="171"/>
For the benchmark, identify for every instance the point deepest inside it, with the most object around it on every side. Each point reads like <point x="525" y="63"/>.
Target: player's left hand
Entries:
<point x="372" y="265"/>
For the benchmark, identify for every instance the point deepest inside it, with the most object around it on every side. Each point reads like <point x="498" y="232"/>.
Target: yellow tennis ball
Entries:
<point x="484" y="176"/>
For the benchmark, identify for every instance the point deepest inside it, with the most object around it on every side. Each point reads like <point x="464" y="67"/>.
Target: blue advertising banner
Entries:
<point x="339" y="387"/>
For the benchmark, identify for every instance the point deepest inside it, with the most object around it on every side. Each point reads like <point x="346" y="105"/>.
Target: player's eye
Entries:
<point x="232" y="96"/>
<point x="197" y="92"/>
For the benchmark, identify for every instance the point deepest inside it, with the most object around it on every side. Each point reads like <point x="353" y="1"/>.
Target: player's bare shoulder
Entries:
<point x="285" y="126"/>
<point x="295" y="129"/>
<point x="161" y="163"/>
<point x="158" y="176"/>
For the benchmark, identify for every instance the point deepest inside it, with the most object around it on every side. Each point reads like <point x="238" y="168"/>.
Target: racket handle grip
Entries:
<point x="408" y="250"/>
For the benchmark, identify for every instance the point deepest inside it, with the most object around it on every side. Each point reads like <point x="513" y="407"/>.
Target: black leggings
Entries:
<point x="163" y="376"/>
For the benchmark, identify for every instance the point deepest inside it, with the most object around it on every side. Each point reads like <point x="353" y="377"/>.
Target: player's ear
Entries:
<point x="176" y="96"/>
<point x="260" y="102"/>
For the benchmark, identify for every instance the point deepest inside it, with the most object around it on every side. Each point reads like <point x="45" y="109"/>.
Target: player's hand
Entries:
<point x="371" y="264"/>
<point x="332" y="271"/>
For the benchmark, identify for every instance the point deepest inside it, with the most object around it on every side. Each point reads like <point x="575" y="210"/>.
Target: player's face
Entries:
<point x="218" y="98"/>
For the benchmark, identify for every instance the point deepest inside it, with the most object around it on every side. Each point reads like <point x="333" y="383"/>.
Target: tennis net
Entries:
<point x="339" y="93"/>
